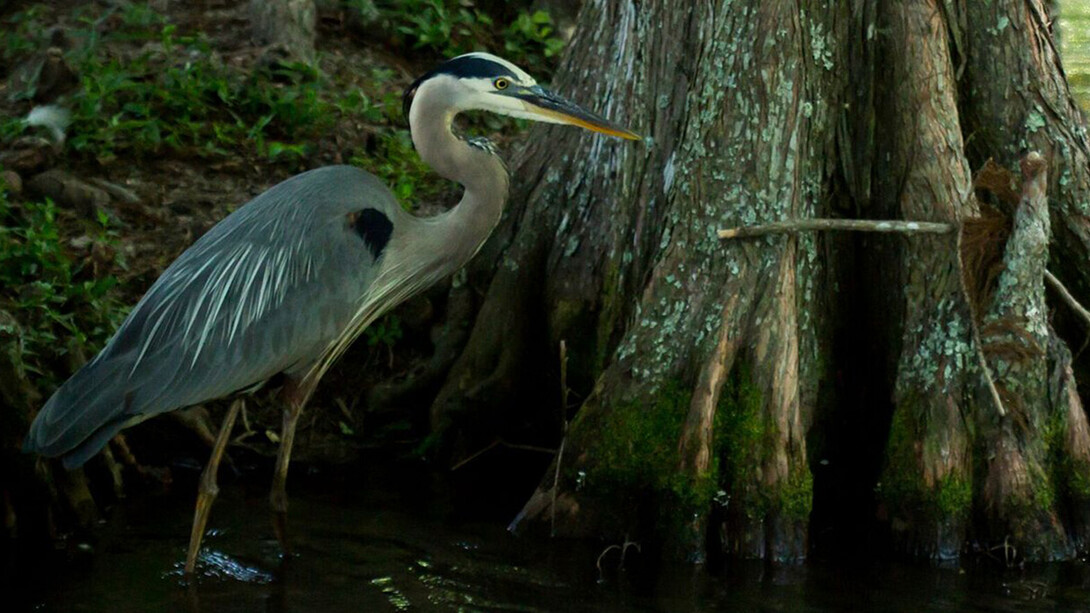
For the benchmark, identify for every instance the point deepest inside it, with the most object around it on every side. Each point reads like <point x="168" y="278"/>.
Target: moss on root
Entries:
<point x="637" y="459"/>
<point x="638" y="443"/>
<point x="1070" y="475"/>
<point x="743" y="438"/>
<point x="904" y="487"/>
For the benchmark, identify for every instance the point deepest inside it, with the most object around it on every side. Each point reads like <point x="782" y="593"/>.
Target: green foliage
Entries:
<point x="148" y="88"/>
<point x="23" y="32"/>
<point x="448" y="28"/>
<point x="386" y="331"/>
<point x="393" y="158"/>
<point x="531" y="40"/>
<point x="395" y="162"/>
<point x="172" y="92"/>
<point x="445" y="27"/>
<point x="63" y="307"/>
<point x="146" y="104"/>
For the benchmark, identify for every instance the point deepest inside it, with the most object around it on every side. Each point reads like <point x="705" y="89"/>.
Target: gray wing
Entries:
<point x="264" y="291"/>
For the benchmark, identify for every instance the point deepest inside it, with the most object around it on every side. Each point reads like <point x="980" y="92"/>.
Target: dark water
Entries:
<point x="362" y="547"/>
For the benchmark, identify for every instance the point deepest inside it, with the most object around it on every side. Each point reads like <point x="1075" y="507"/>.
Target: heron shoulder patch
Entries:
<point x="374" y="227"/>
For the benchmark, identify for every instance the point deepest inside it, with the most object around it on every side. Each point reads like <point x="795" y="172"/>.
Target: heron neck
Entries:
<point x="481" y="173"/>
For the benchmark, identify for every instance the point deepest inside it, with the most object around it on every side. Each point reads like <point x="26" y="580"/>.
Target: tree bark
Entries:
<point x="920" y="170"/>
<point x="975" y="432"/>
<point x="632" y="262"/>
<point x="285" y="24"/>
<point x="704" y="363"/>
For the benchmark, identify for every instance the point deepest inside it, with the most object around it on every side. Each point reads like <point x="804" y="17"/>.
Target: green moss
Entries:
<point x="1069" y="476"/>
<point x="743" y="437"/>
<point x="638" y="444"/>
<point x="954" y="497"/>
<point x="796" y="497"/>
<point x="902" y="484"/>
<point x="1044" y="494"/>
<point x="740" y="431"/>
<point x="900" y="478"/>
<point x="565" y="313"/>
<point x="637" y="456"/>
<point x="638" y="451"/>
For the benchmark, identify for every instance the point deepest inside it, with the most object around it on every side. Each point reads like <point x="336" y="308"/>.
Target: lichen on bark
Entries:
<point x="746" y="149"/>
<point x="703" y="363"/>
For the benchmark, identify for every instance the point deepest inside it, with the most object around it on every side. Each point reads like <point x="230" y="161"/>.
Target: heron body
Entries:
<point x="263" y="292"/>
<point x="286" y="282"/>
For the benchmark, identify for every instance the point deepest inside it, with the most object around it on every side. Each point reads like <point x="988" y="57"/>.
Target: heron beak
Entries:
<point x="547" y="106"/>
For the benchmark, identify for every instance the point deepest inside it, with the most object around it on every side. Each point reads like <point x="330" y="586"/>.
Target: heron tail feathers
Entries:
<point x="83" y="414"/>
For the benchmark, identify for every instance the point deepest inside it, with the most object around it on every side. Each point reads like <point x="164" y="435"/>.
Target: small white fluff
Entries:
<point x="56" y="119"/>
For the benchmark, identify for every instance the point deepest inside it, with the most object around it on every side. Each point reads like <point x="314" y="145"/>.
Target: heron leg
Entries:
<point x="208" y="489"/>
<point x="278" y="497"/>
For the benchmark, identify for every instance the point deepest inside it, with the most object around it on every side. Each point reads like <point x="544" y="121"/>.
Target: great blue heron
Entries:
<point x="288" y="281"/>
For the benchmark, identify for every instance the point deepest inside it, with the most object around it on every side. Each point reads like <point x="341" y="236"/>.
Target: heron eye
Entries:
<point x="501" y="83"/>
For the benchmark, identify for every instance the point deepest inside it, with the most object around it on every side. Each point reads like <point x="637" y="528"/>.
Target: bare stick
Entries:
<point x="974" y="329"/>
<point x="854" y="225"/>
<point x="1068" y="299"/>
<point x="564" y="437"/>
<point x="476" y="454"/>
<point x="501" y="443"/>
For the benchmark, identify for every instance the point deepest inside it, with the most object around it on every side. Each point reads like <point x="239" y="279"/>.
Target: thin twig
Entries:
<point x="537" y="448"/>
<point x="623" y="548"/>
<point x="598" y="562"/>
<point x="475" y="455"/>
<point x="855" y="225"/>
<point x="974" y="329"/>
<point x="564" y="436"/>
<point x="1068" y="299"/>
<point x="501" y="443"/>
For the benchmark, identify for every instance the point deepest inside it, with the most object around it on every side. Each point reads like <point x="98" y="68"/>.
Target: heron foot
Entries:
<point x="206" y="493"/>
<point x="200" y="520"/>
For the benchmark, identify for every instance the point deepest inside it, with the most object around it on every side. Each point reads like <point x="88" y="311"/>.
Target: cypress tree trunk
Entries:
<point x="984" y="443"/>
<point x="699" y="359"/>
<point x="920" y="172"/>
<point x="703" y="368"/>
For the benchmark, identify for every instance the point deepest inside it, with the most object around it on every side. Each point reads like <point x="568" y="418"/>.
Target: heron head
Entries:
<point x="484" y="82"/>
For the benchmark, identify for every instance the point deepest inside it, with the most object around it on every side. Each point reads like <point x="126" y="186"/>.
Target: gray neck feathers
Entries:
<point x="463" y="229"/>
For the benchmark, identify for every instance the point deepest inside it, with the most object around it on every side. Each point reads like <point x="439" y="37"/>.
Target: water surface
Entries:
<point x="362" y="549"/>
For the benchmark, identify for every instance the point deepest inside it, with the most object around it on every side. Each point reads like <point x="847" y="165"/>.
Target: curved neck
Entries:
<point x="482" y="174"/>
